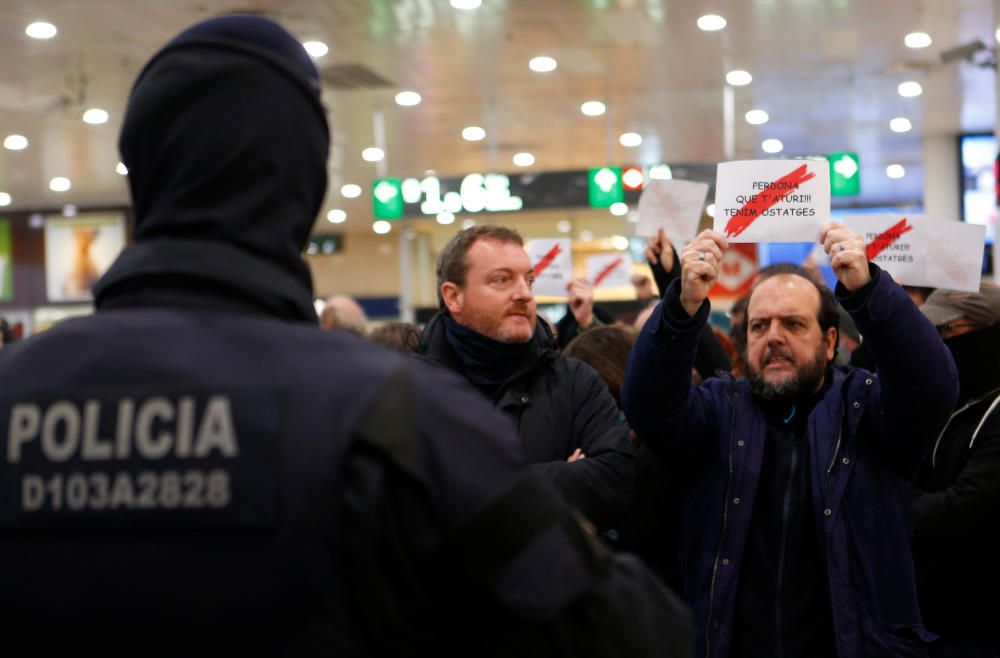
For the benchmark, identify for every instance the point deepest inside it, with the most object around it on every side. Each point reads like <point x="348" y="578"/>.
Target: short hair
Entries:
<point x="452" y="265"/>
<point x="399" y="336"/>
<point x="828" y="314"/>
<point x="606" y="350"/>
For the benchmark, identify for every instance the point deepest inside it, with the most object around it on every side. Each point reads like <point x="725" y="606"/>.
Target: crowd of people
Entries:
<point x="200" y="461"/>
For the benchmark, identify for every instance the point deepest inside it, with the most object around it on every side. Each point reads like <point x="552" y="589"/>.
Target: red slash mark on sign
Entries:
<point x="603" y="274"/>
<point x="766" y="198"/>
<point x="887" y="238"/>
<point x="547" y="259"/>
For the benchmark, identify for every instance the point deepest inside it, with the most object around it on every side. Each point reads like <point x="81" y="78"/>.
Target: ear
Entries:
<point x="831" y="337"/>
<point x="451" y="293"/>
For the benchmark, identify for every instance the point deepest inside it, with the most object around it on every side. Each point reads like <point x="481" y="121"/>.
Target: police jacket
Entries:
<point x="559" y="404"/>
<point x="866" y="437"/>
<point x="197" y="469"/>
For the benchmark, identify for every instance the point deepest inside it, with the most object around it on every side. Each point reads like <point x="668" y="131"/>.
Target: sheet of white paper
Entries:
<point x="610" y="270"/>
<point x="553" y="263"/>
<point x="954" y="255"/>
<point x="772" y="200"/>
<point x="896" y="243"/>
<point x="673" y="205"/>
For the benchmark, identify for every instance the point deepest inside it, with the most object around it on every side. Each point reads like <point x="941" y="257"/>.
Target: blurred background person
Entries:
<point x="6" y="333"/>
<point x="400" y="336"/>
<point x="343" y="312"/>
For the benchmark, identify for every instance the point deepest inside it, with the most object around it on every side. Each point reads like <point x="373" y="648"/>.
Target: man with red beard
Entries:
<point x="796" y="518"/>
<point x="488" y="331"/>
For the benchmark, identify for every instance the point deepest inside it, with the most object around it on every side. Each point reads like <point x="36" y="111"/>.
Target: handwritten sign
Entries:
<point x="772" y="200"/>
<point x="896" y="243"/>
<point x="610" y="270"/>
<point x="553" y="263"/>
<point x="673" y="205"/>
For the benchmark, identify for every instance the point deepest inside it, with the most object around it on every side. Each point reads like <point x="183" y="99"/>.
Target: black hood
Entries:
<point x="226" y="141"/>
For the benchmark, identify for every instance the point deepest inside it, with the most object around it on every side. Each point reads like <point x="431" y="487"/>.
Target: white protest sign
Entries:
<point x="772" y="200"/>
<point x="896" y="243"/>
<point x="673" y="205"/>
<point x="553" y="263"/>
<point x="610" y="270"/>
<point x="954" y="255"/>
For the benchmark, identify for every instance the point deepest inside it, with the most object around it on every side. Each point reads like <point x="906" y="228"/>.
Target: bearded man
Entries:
<point x="487" y="330"/>
<point x="796" y="516"/>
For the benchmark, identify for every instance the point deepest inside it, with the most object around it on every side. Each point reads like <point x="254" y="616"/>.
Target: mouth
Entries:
<point x="777" y="362"/>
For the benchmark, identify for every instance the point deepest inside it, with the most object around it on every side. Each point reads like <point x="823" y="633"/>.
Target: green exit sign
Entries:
<point x="604" y="186"/>
<point x="845" y="174"/>
<point x="387" y="198"/>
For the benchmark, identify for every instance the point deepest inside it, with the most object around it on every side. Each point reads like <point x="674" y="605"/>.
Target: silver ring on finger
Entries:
<point x="701" y="255"/>
<point x="840" y="246"/>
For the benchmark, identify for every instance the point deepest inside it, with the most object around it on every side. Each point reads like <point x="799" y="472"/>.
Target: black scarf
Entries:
<point x="485" y="362"/>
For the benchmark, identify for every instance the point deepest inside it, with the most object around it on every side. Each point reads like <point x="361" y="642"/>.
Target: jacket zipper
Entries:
<point x="722" y="537"/>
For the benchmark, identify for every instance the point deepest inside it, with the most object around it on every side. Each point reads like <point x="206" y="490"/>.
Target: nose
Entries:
<point x="522" y="291"/>
<point x="775" y="333"/>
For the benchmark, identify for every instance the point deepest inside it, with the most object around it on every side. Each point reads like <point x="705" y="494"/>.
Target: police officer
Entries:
<point x="198" y="469"/>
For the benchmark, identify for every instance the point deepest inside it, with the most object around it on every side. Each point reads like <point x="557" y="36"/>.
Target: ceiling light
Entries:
<point x="466" y="4"/>
<point x="757" y="117"/>
<point x="41" y="30"/>
<point x="711" y="23"/>
<point x="15" y="142"/>
<point x="473" y="133"/>
<point x="895" y="171"/>
<point x="630" y="140"/>
<point x="909" y="89"/>
<point x="996" y="35"/>
<point x="95" y="116"/>
<point x="660" y="172"/>
<point x="619" y="242"/>
<point x="121" y="169"/>
<point x="351" y="191"/>
<point x="772" y="145"/>
<point x="917" y="40"/>
<point x="468" y="223"/>
<point x="542" y="64"/>
<point x="738" y="78"/>
<point x="408" y="98"/>
<point x="5" y="199"/>
<point x="710" y="210"/>
<point x="444" y="218"/>
<point x="593" y="108"/>
<point x="900" y="125"/>
<point x="336" y="216"/>
<point x="381" y="227"/>
<point x="524" y="159"/>
<point x="372" y="154"/>
<point x="619" y="209"/>
<point x="586" y="236"/>
<point x="564" y="226"/>
<point x="60" y="184"/>
<point x="316" y="48"/>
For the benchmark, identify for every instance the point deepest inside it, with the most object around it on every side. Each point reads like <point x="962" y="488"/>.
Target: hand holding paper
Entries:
<point x="581" y="301"/>
<point x="847" y="253"/>
<point x="700" y="268"/>
<point x="659" y="249"/>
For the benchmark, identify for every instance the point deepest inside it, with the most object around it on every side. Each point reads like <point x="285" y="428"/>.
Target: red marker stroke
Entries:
<point x="766" y="198"/>
<point x="547" y="259"/>
<point x="603" y="274"/>
<point x="887" y="238"/>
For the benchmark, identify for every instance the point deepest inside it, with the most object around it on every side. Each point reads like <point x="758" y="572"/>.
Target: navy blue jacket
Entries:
<point x="867" y="437"/>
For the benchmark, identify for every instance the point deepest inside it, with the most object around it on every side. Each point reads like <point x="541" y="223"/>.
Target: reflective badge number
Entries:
<point x="170" y="460"/>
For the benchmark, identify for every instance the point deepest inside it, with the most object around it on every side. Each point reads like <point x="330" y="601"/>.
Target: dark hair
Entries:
<point x="452" y="265"/>
<point x="606" y="350"/>
<point x="399" y="336"/>
<point x="829" y="310"/>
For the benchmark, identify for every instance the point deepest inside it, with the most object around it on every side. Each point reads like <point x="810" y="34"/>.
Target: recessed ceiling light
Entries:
<point x="5" y="199"/>
<point x="711" y="23"/>
<point x="619" y="209"/>
<point x="15" y="142"/>
<point x="900" y="125"/>
<point x="473" y="133"/>
<point x="772" y="146"/>
<point x="121" y="169"/>
<point x="630" y="140"/>
<point x="468" y="223"/>
<point x="408" y="98"/>
<point x="372" y="154"/>
<point x="316" y="48"/>
<point x="524" y="159"/>
<point x="619" y="242"/>
<point x="917" y="40"/>
<point x="710" y="210"/>
<point x="381" y="227"/>
<point x="542" y="64"/>
<point x="351" y="191"/>
<point x="909" y="89"/>
<point x="564" y="226"/>
<point x="336" y="216"/>
<point x="661" y="172"/>
<point x="895" y="171"/>
<point x="444" y="218"/>
<point x="739" y="78"/>
<point x="587" y="236"/>
<point x="466" y="4"/>
<point x="41" y="30"/>
<point x="757" y="117"/>
<point x="593" y="108"/>
<point x="95" y="116"/>
<point x="60" y="184"/>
